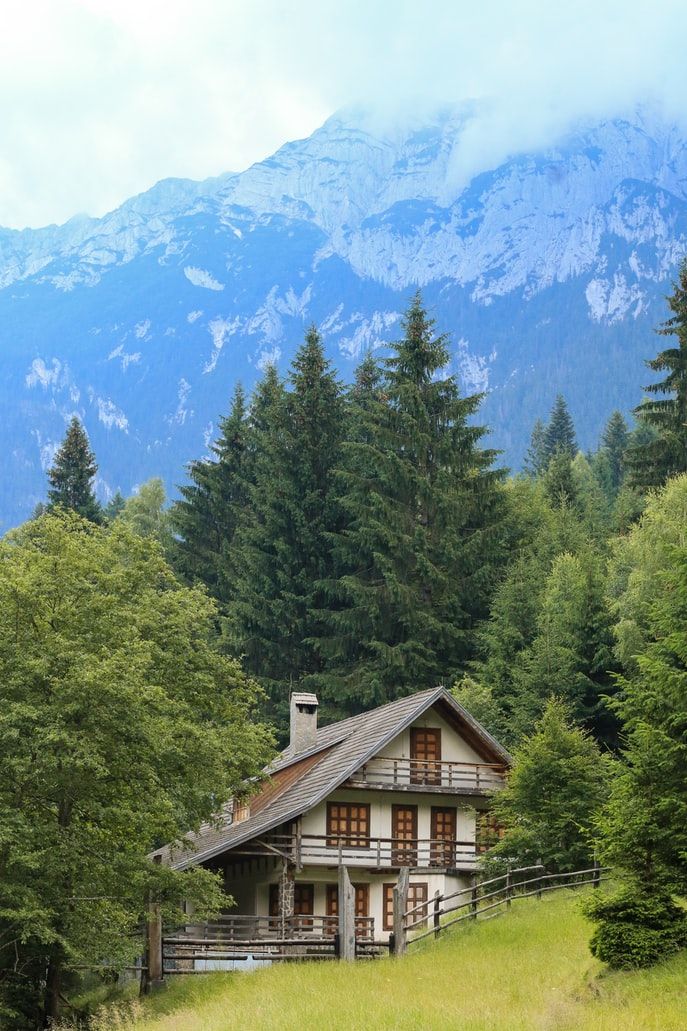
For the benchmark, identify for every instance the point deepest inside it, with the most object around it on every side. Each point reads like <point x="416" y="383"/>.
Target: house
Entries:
<point x="405" y="785"/>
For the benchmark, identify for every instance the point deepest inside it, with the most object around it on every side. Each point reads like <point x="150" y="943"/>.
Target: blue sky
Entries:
<point x="101" y="98"/>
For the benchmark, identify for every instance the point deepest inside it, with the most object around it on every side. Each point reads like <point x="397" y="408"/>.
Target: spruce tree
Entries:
<point x="654" y="462"/>
<point x="207" y="514"/>
<point x="416" y="559"/>
<point x="114" y="507"/>
<point x="559" y="435"/>
<point x="614" y="443"/>
<point x="535" y="459"/>
<point x="72" y="473"/>
<point x="284" y="548"/>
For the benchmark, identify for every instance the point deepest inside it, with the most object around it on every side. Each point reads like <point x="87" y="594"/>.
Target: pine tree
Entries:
<point x="557" y="786"/>
<point x="206" y="516"/>
<point x="559" y="481"/>
<point x="572" y="652"/>
<point x="114" y="507"/>
<point x="72" y="473"/>
<point x="559" y="435"/>
<point x="614" y="443"/>
<point x="284" y="549"/>
<point x="652" y="463"/>
<point x="416" y="559"/>
<point x="645" y="831"/>
<point x="535" y="459"/>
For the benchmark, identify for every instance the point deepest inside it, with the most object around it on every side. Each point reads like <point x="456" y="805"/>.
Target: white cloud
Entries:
<point x="100" y="98"/>
<point x="201" y="277"/>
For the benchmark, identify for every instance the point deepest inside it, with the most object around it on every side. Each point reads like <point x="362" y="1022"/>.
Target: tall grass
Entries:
<point x="527" y="971"/>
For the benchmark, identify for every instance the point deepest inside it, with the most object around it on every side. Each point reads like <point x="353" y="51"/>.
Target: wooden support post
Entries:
<point x="596" y="877"/>
<point x="400" y="905"/>
<point x="473" y="900"/>
<point x="508" y="887"/>
<point x="346" y="916"/>
<point x="155" y="972"/>
<point x="437" y="913"/>
<point x="539" y="881"/>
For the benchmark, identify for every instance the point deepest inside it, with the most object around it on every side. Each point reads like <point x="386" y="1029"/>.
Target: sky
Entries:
<point x="99" y="99"/>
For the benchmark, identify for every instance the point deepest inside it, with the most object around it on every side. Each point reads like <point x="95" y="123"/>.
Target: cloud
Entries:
<point x="101" y="98"/>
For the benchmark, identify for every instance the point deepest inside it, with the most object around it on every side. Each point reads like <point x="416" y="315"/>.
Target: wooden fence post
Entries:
<point x="400" y="904"/>
<point x="596" y="876"/>
<point x="539" y="879"/>
<point x="508" y="887"/>
<point x="437" y="913"/>
<point x="155" y="972"/>
<point x="473" y="899"/>
<point x="346" y="916"/>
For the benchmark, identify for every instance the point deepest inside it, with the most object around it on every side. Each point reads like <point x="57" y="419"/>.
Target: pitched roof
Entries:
<point x="341" y="749"/>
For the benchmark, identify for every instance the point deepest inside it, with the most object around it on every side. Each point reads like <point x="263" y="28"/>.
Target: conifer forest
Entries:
<point x="362" y="541"/>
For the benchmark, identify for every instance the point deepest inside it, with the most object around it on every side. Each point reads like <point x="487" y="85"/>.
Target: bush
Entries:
<point x="636" y="927"/>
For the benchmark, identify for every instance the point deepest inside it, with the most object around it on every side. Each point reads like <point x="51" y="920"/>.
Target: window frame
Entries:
<point x="348" y="839"/>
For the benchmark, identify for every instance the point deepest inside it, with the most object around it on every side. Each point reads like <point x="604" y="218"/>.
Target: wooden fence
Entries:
<point x="484" y="897"/>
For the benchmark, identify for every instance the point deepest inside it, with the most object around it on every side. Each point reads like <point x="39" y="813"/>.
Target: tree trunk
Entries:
<point x="53" y="986"/>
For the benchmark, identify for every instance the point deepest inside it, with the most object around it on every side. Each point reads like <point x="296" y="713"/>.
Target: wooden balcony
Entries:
<point x="238" y="929"/>
<point x="429" y="775"/>
<point x="372" y="853"/>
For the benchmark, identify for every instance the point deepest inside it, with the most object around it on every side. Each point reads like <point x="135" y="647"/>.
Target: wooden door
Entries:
<point x="303" y="905"/>
<point x="443" y="834"/>
<point x="404" y="835"/>
<point x="425" y="755"/>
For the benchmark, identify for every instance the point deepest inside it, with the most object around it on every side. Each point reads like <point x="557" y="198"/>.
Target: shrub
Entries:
<point x="636" y="927"/>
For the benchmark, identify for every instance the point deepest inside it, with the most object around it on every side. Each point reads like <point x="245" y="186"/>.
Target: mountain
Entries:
<point x="548" y="271"/>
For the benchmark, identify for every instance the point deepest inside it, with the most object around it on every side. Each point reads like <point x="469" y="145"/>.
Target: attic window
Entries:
<point x="241" y="811"/>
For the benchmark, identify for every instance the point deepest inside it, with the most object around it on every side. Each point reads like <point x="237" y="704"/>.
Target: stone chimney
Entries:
<point x="303" y="722"/>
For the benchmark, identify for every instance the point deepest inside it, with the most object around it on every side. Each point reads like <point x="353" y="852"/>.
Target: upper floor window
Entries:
<point x="348" y="824"/>
<point x="488" y="831"/>
<point x="425" y="755"/>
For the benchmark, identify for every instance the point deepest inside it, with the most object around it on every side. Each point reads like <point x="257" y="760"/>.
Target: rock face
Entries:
<point x="548" y="272"/>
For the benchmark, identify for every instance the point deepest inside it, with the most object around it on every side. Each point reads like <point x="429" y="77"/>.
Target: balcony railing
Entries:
<point x="367" y="851"/>
<point x="429" y="775"/>
<point x="238" y="929"/>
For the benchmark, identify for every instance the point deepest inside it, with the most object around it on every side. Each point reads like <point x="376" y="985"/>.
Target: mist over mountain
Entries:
<point x="548" y="271"/>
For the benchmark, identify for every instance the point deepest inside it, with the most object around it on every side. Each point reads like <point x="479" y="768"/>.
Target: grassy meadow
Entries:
<point x="529" y="970"/>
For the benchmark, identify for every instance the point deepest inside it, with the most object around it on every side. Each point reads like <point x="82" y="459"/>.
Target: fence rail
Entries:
<point x="433" y="774"/>
<point x="481" y="898"/>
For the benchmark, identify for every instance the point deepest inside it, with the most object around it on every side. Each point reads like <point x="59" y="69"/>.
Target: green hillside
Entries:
<point x="529" y="970"/>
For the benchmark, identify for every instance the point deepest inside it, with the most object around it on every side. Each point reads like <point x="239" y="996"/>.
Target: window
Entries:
<point x="425" y="755"/>
<point x="303" y="904"/>
<point x="362" y="907"/>
<point x="404" y="835"/>
<point x="417" y="893"/>
<point x="488" y="831"/>
<point x="443" y="834"/>
<point x="274" y="900"/>
<point x="348" y="824"/>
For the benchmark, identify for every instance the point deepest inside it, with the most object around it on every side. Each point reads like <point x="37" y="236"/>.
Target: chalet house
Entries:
<point x="405" y="785"/>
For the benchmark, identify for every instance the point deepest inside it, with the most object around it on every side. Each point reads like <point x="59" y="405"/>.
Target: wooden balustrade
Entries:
<point x="429" y="774"/>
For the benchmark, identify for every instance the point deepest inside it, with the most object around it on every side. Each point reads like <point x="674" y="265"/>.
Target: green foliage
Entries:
<point x="636" y="927"/>
<point x="556" y="787"/>
<point x="559" y="435"/>
<point x="114" y="507"/>
<point x="535" y="459"/>
<point x="283" y="548"/>
<point x="72" y="473"/>
<point x="416" y="559"/>
<point x="144" y="512"/>
<point x="615" y="440"/>
<point x="639" y="565"/>
<point x="206" y="516"/>
<point x="652" y="463"/>
<point x="121" y="727"/>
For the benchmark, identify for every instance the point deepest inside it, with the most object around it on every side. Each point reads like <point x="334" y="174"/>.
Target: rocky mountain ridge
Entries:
<point x="548" y="271"/>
